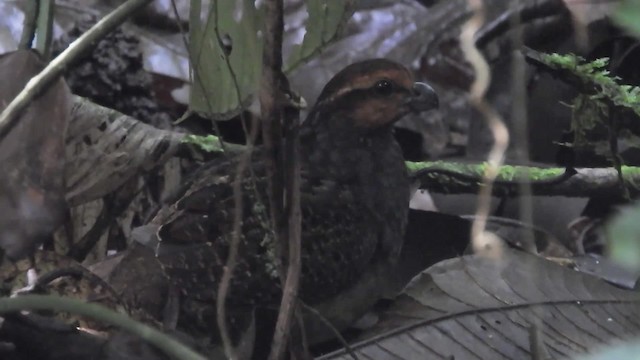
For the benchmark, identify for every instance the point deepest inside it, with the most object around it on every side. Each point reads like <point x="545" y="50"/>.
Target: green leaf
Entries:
<point x="325" y="22"/>
<point x="623" y="235"/>
<point x="214" y="90"/>
<point x="207" y="143"/>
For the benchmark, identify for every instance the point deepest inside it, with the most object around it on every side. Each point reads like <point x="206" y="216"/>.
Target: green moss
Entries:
<point x="594" y="73"/>
<point x="507" y="172"/>
<point x="207" y="143"/>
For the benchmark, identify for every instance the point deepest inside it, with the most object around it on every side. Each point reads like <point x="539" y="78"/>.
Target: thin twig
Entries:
<point x="498" y="128"/>
<point x="163" y="342"/>
<point x="29" y="24"/>
<point x="519" y="112"/>
<point x="271" y="110"/>
<point x="245" y="158"/>
<point x="333" y="329"/>
<point x="181" y="28"/>
<point x="225" y="281"/>
<point x="45" y="28"/>
<point x="293" y="239"/>
<point x="279" y="123"/>
<point x="616" y="158"/>
<point x="525" y="12"/>
<point x="9" y="117"/>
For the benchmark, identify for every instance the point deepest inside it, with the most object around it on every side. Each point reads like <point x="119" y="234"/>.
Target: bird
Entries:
<point x="354" y="202"/>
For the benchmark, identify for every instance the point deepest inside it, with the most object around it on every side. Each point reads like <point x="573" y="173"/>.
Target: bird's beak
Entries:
<point x="423" y="98"/>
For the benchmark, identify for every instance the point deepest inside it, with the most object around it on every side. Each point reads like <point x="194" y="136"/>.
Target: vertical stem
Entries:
<point x="271" y="96"/>
<point x="480" y="238"/>
<point x="243" y="165"/>
<point x="29" y="24"/>
<point x="45" y="28"/>
<point x="520" y="121"/>
<point x="279" y="132"/>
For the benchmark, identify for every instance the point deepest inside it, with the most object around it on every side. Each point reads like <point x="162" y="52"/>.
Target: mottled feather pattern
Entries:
<point x="195" y="238"/>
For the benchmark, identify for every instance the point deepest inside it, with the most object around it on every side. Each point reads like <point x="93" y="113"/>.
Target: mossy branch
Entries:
<point x="464" y="178"/>
<point x="461" y="178"/>
<point x="594" y="75"/>
<point x="599" y="90"/>
<point x="601" y="101"/>
<point x="450" y="177"/>
<point x="211" y="144"/>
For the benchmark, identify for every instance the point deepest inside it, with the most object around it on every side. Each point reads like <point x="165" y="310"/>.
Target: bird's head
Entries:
<point x="375" y="93"/>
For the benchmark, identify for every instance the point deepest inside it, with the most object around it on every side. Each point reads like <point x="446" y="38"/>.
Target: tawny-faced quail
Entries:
<point x="354" y="199"/>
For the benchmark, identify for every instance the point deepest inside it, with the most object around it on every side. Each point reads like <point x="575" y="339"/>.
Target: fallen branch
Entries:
<point x="110" y="161"/>
<point x="94" y="173"/>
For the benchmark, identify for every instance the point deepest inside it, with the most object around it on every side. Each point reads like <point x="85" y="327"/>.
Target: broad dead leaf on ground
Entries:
<point x="475" y="307"/>
<point x="106" y="148"/>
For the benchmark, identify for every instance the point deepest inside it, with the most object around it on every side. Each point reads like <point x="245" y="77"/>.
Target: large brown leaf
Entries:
<point x="32" y="191"/>
<point x="106" y="148"/>
<point x="479" y="308"/>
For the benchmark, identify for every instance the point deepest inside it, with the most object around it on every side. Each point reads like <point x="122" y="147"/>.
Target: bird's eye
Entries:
<point x="383" y="87"/>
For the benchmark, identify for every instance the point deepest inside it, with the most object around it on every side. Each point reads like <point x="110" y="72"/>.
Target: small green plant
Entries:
<point x="595" y="75"/>
<point x="600" y="92"/>
<point x="596" y="110"/>
<point x="207" y="143"/>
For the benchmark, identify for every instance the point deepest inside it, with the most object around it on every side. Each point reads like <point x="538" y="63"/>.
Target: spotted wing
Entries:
<point x="195" y="233"/>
